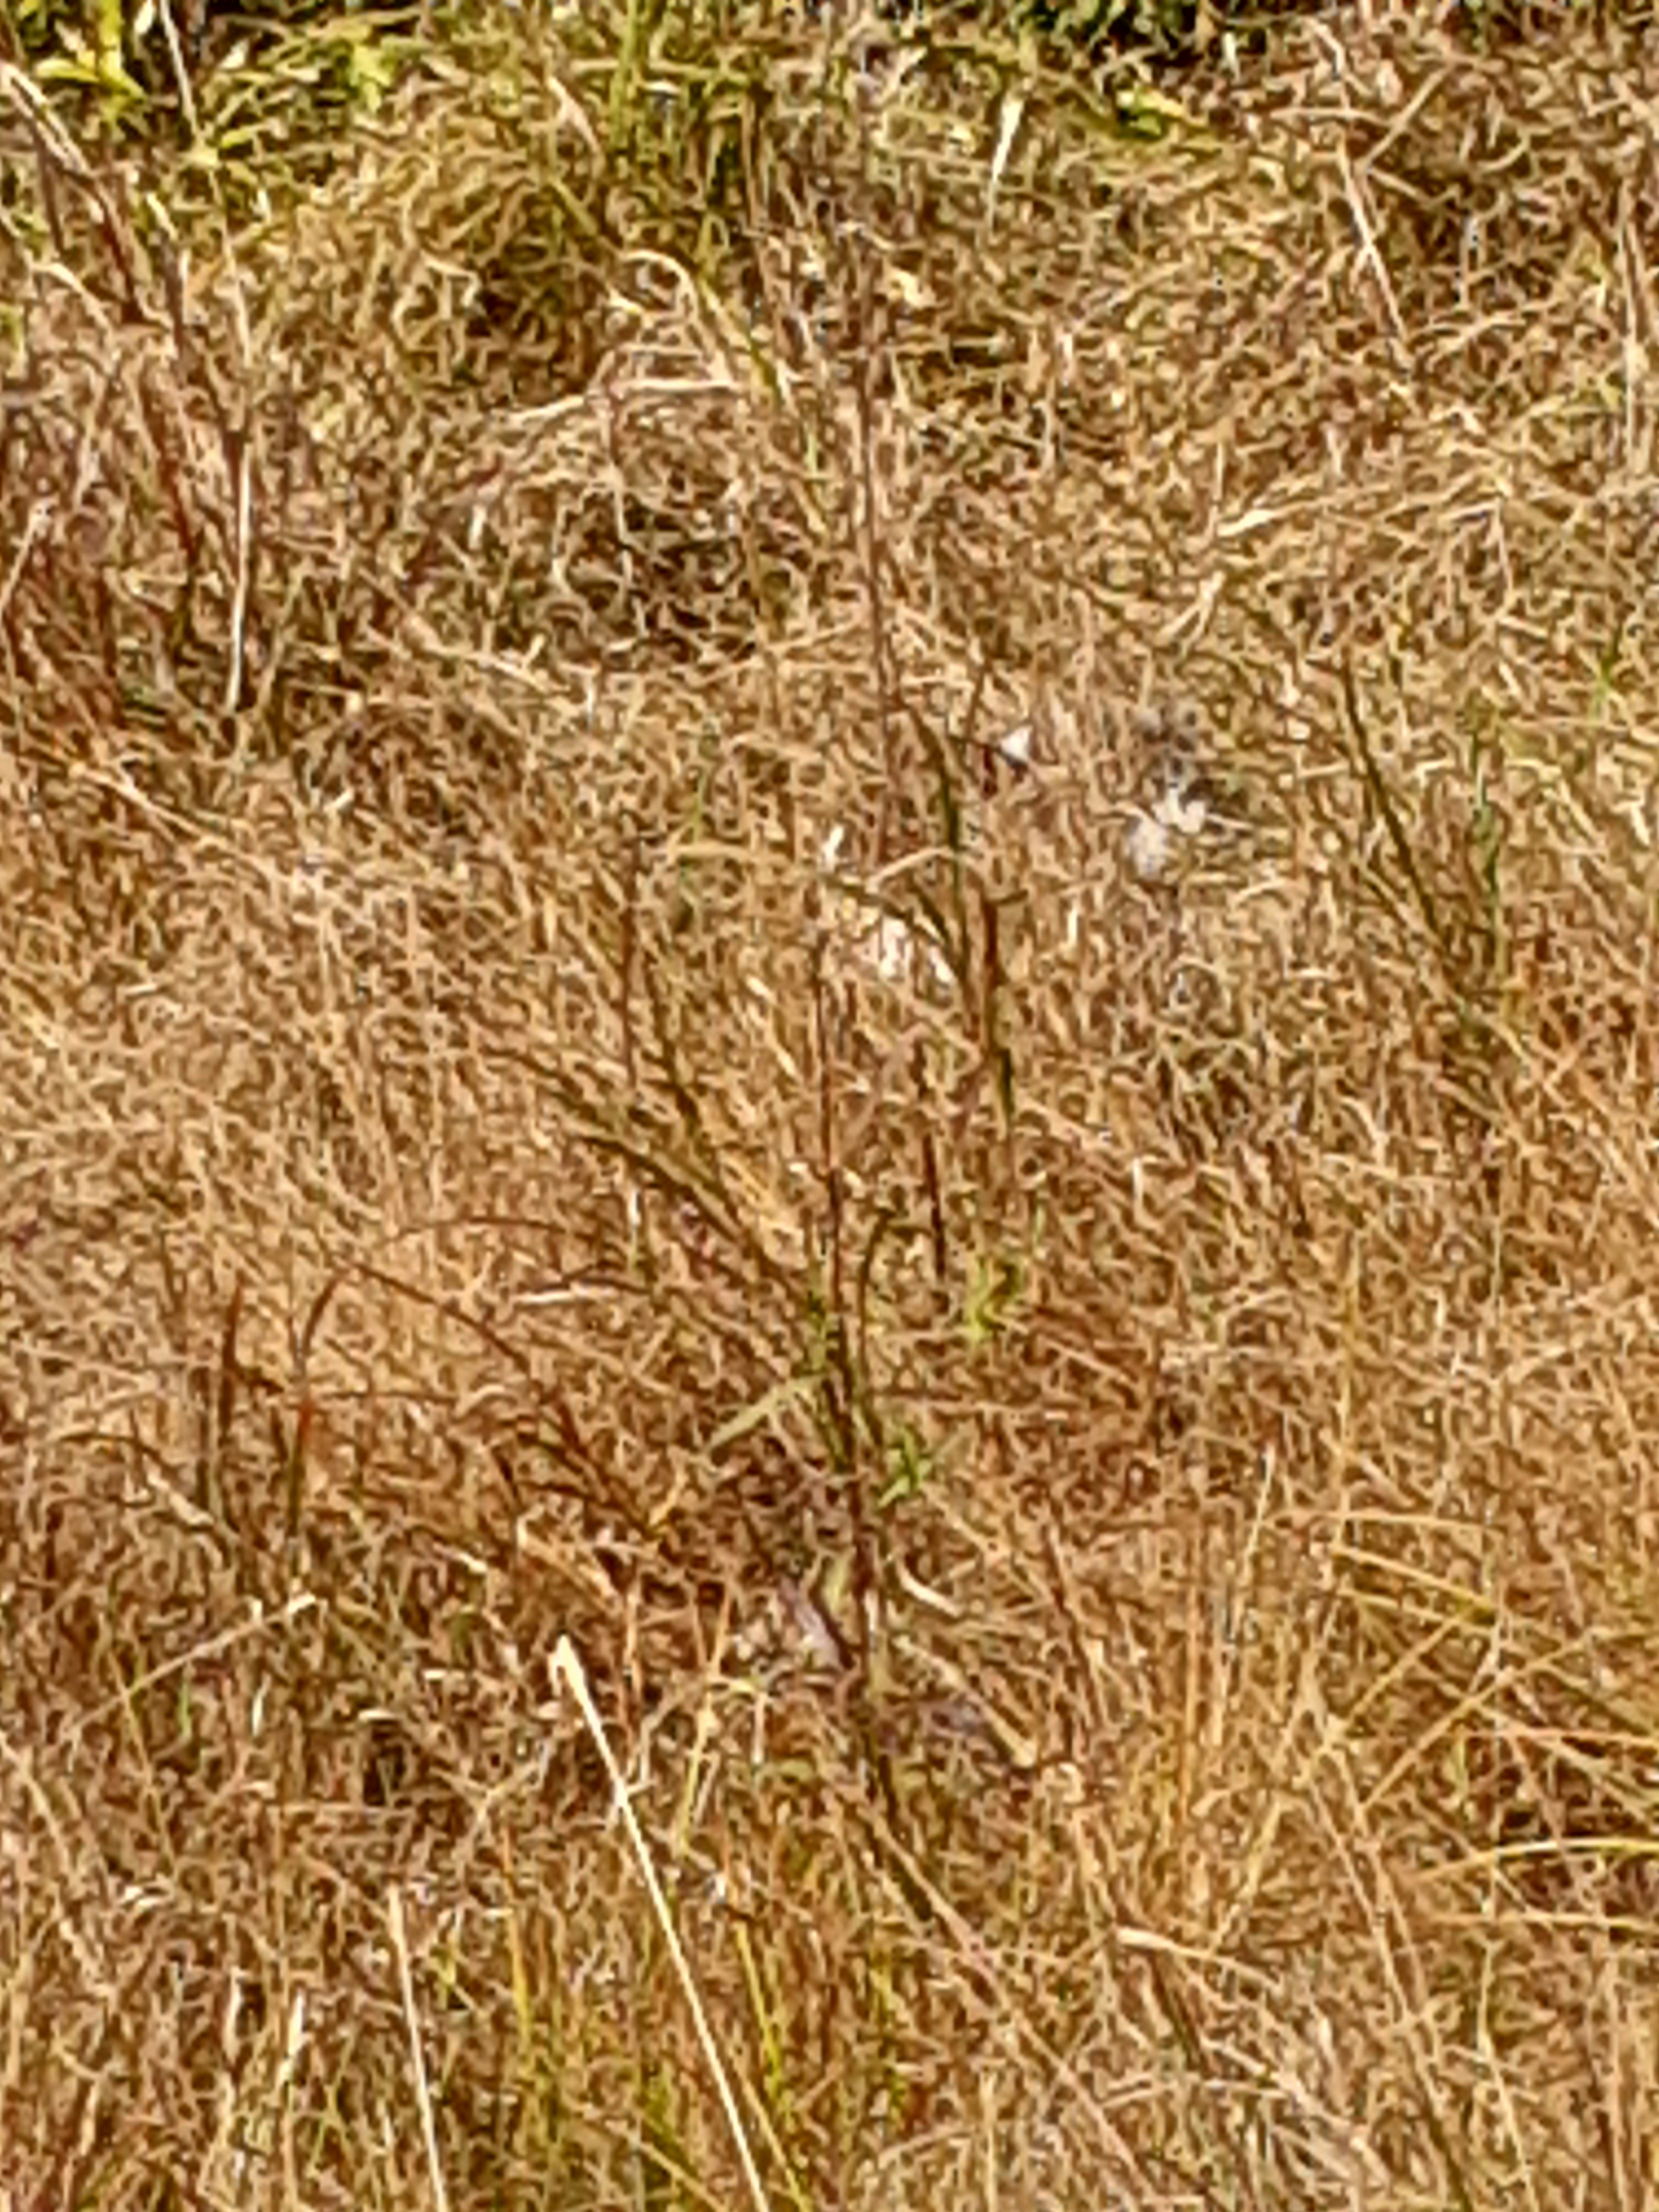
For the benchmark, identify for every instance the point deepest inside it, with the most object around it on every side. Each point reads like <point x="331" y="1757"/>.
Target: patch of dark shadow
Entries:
<point x="1172" y="37"/>
<point x="441" y="777"/>
<point x="1497" y="26"/>
<point x="397" y="1776"/>
<point x="672" y="571"/>
<point x="1209" y="1088"/>
<point x="391" y="1765"/>
<point x="1570" y="1821"/>
<point x="538" y="306"/>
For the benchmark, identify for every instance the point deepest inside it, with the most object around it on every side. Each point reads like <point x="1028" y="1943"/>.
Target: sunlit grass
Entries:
<point x="826" y="1114"/>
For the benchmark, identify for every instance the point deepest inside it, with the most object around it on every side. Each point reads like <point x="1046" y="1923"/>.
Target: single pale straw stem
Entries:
<point x="565" y="1665"/>
<point x="394" y="1913"/>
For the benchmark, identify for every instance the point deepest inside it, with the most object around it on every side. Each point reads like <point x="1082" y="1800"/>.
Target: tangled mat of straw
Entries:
<point x="827" y="887"/>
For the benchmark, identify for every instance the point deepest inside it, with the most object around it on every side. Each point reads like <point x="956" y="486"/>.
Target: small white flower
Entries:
<point x="896" y="950"/>
<point x="1148" y="846"/>
<point x="1179" y="812"/>
<point x="1183" y="812"/>
<point x="889" y="943"/>
<point x="1015" y="747"/>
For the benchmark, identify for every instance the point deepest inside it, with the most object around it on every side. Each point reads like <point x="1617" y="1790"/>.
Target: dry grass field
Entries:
<point x="829" y="1113"/>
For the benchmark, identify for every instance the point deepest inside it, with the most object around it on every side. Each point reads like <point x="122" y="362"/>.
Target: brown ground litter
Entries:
<point x="1067" y="1328"/>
